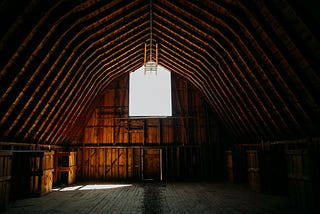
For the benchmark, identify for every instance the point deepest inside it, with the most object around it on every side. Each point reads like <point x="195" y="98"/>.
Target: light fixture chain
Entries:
<point x="150" y="30"/>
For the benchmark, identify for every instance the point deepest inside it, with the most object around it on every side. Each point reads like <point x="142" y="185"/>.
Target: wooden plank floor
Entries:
<point x="153" y="197"/>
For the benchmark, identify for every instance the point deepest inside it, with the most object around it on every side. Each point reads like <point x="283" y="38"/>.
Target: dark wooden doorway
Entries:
<point x="151" y="164"/>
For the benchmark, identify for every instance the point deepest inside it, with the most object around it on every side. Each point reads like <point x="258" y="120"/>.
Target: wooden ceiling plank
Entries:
<point x="196" y="74"/>
<point x="195" y="28"/>
<point x="303" y="100"/>
<point x="35" y="53"/>
<point x="111" y="59"/>
<point x="275" y="73"/>
<point x="123" y="27"/>
<point x="225" y="18"/>
<point x="95" y="87"/>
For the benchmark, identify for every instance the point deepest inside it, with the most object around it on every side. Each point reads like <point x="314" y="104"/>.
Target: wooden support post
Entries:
<point x="128" y="129"/>
<point x="40" y="174"/>
<point x="127" y="162"/>
<point x="89" y="155"/>
<point x="118" y="158"/>
<point x="167" y="164"/>
<point x="115" y="121"/>
<point x="178" y="162"/>
<point x="160" y="164"/>
<point x="104" y="163"/>
<point x="172" y="171"/>
<point x="141" y="157"/>
<point x="160" y="131"/>
<point x="145" y="132"/>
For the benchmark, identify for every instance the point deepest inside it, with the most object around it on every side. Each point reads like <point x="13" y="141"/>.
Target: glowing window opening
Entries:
<point x="150" y="93"/>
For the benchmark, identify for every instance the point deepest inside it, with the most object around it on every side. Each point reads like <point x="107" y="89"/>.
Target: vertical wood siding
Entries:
<point x="118" y="147"/>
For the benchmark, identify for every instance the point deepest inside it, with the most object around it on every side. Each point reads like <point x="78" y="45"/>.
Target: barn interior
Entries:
<point x="245" y="91"/>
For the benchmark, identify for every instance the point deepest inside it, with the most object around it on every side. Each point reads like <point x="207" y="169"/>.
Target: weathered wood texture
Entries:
<point x="56" y="177"/>
<point x="151" y="164"/>
<point x="253" y="170"/>
<point x="67" y="167"/>
<point x="117" y="147"/>
<point x="256" y="62"/>
<point x="303" y="178"/>
<point x="32" y="173"/>
<point x="144" y="162"/>
<point x="283" y="168"/>
<point x="27" y="146"/>
<point x="229" y="165"/>
<point x="109" y="163"/>
<point x="155" y="197"/>
<point x="110" y="124"/>
<point x="5" y="177"/>
<point x="31" y="147"/>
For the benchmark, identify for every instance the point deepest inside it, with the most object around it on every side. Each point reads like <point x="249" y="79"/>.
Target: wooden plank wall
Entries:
<point x="34" y="147"/>
<point x="281" y="167"/>
<point x="67" y="167"/>
<point x="114" y="144"/>
<point x="5" y="177"/>
<point x="109" y="163"/>
<point x="110" y="124"/>
<point x="32" y="173"/>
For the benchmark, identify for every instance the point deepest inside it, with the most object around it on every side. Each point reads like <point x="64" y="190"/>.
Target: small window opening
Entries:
<point x="150" y="92"/>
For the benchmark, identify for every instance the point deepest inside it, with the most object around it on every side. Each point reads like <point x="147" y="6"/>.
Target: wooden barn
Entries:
<point x="242" y="92"/>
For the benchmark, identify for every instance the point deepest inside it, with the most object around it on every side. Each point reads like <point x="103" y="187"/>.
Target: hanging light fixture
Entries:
<point x="150" y="66"/>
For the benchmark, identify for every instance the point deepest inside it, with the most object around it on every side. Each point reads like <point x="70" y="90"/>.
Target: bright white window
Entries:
<point x="150" y="93"/>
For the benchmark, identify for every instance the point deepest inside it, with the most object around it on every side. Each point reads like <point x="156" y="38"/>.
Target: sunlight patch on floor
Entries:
<point x="104" y="186"/>
<point x="90" y="187"/>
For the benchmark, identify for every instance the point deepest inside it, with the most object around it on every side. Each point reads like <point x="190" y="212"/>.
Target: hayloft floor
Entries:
<point x="153" y="197"/>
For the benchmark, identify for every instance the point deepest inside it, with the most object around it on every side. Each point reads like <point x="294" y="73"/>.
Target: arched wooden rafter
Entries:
<point x="255" y="62"/>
